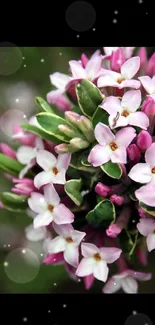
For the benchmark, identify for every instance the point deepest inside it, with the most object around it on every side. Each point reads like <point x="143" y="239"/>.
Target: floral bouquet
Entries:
<point x="85" y="169"/>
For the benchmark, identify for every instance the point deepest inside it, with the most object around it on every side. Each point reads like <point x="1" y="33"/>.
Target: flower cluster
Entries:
<point x="85" y="168"/>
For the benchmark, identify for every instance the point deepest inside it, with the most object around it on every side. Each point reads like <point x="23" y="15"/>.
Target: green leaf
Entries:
<point x="148" y="209"/>
<point x="112" y="169"/>
<point x="76" y="162"/>
<point x="103" y="214"/>
<point x="100" y="116"/>
<point x="43" y="105"/>
<point x="38" y="131"/>
<point x="72" y="189"/>
<point x="13" y="202"/>
<point x="49" y="123"/>
<point x="9" y="165"/>
<point x="89" y="97"/>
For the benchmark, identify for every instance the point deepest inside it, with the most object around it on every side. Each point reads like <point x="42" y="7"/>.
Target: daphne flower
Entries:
<point x="111" y="147"/>
<point x="27" y="156"/>
<point x="146" y="227"/>
<point x="95" y="260"/>
<point x="24" y="137"/>
<point x="145" y="172"/>
<point x="24" y="186"/>
<point x="146" y="194"/>
<point x="127" y="281"/>
<point x="123" y="112"/>
<point x="54" y="168"/>
<point x="123" y="79"/>
<point x="149" y="85"/>
<point x="67" y="242"/>
<point x="35" y="234"/>
<point x="49" y="208"/>
<point x="127" y="51"/>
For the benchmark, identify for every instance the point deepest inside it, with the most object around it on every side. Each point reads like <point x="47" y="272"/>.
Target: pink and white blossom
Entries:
<point x="122" y="79"/>
<point x="127" y="281"/>
<point x="67" y="242"/>
<point x="49" y="208"/>
<point x="146" y="227"/>
<point x="146" y="194"/>
<point x="127" y="51"/>
<point x="54" y="168"/>
<point x="96" y="259"/>
<point x="149" y="85"/>
<point x="123" y="112"/>
<point x="111" y="147"/>
<point x="35" y="235"/>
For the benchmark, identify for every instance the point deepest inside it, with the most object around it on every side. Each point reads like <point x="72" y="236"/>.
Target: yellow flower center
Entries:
<point x="69" y="239"/>
<point x="50" y="207"/>
<point x="125" y="113"/>
<point x="97" y="257"/>
<point x="153" y="170"/>
<point x="113" y="146"/>
<point x="55" y="171"/>
<point x="119" y="80"/>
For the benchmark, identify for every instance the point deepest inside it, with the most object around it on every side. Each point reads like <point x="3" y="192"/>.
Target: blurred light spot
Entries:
<point x="114" y="21"/>
<point x="17" y="100"/>
<point x="42" y="60"/>
<point x="24" y="65"/>
<point x="10" y="58"/>
<point x="23" y="251"/>
<point x="23" y="57"/>
<point x="60" y="53"/>
<point x="25" y="319"/>
<point x="55" y="284"/>
<point x="94" y="29"/>
<point x="10" y="119"/>
<point x="9" y="234"/>
<point x="78" y="36"/>
<point x="64" y="306"/>
<point x="49" y="311"/>
<point x="115" y="12"/>
<point x="134" y="312"/>
<point x="6" y="264"/>
<point x="22" y="268"/>
<point x="79" y="280"/>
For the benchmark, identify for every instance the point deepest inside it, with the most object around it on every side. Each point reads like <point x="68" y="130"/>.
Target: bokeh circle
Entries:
<point x="138" y="319"/>
<point x="21" y="265"/>
<point x="80" y="16"/>
<point x="12" y="119"/>
<point x="11" y="58"/>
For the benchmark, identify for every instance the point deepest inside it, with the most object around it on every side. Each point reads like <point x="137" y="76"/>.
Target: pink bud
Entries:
<point x="24" y="186"/>
<point x="24" y="138"/>
<point x="142" y="213"/>
<point x="116" y="60"/>
<point x="88" y="281"/>
<point x="116" y="199"/>
<point x="63" y="103"/>
<point x="113" y="231"/>
<point x="151" y="66"/>
<point x="148" y="107"/>
<point x="4" y="148"/>
<point x="142" y="255"/>
<point x="49" y="146"/>
<point x="134" y="153"/>
<point x="84" y="60"/>
<point x="142" y="53"/>
<point x="54" y="258"/>
<point x="144" y="140"/>
<point x="102" y="190"/>
<point x="61" y="148"/>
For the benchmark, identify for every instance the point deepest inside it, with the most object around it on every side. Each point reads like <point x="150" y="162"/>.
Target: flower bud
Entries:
<point x="61" y="148"/>
<point x="148" y="107"/>
<point x="84" y="60"/>
<point x="142" y="53"/>
<point x="116" y="60"/>
<point x="134" y="153"/>
<point x="54" y="259"/>
<point x="117" y="199"/>
<point x="78" y="144"/>
<point x="6" y="150"/>
<point x="151" y="66"/>
<point x="113" y="231"/>
<point x="86" y="126"/>
<point x="67" y="130"/>
<point x="144" y="140"/>
<point x="102" y="190"/>
<point x="72" y="117"/>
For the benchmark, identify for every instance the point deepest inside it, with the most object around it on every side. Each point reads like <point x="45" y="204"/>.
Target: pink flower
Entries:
<point x="117" y="59"/>
<point x="60" y="81"/>
<point x="123" y="112"/>
<point x="25" y="138"/>
<point x="117" y="199"/>
<point x="148" y="106"/>
<point x="27" y="156"/>
<point x="67" y="242"/>
<point x="102" y="189"/>
<point x="127" y="51"/>
<point x="54" y="259"/>
<point x="144" y="140"/>
<point x="146" y="194"/>
<point x="115" y="229"/>
<point x="49" y="208"/>
<point x="149" y="85"/>
<point x="6" y="150"/>
<point x="24" y="186"/>
<point x="134" y="153"/>
<point x="54" y="168"/>
<point x="145" y="172"/>
<point x="151" y="66"/>
<point x="126" y="281"/>
<point x="123" y="79"/>
<point x="111" y="147"/>
<point x="95" y="261"/>
<point x="146" y="227"/>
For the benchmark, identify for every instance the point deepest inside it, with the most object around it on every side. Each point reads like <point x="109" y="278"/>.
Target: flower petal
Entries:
<point x="37" y="202"/>
<point x="115" y="123"/>
<point x="130" y="67"/>
<point x="51" y="195"/>
<point x="63" y="161"/>
<point x="43" y="178"/>
<point x="112" y="286"/>
<point x="101" y="271"/>
<point x="103" y="134"/>
<point x="146" y="226"/>
<point x="35" y="234"/>
<point x="112" y="105"/>
<point x="58" y="244"/>
<point x="62" y="215"/>
<point x="63" y="230"/>
<point x="119" y="155"/>
<point x="60" y="178"/>
<point x="146" y="194"/>
<point x="25" y="154"/>
<point x="77" y="236"/>
<point x="141" y="173"/>
<point x="131" y="83"/>
<point x="107" y="81"/>
<point x="150" y="155"/>
<point x="129" y="285"/>
<point x="88" y="281"/>
<point x="86" y="266"/>
<point x="110" y="254"/>
<point x="88" y="249"/>
<point x="93" y="66"/>
<point x="77" y="70"/>
<point x="59" y="80"/>
<point x="131" y="100"/>
<point x="125" y="136"/>
<point x="53" y="95"/>
<point x="25" y="170"/>
<point x="99" y="155"/>
<point x="71" y="255"/>
<point x="148" y="84"/>
<point x="139" y="119"/>
<point x="43" y="219"/>
<point x="140" y="276"/>
<point x="151" y="242"/>
<point x="45" y="159"/>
